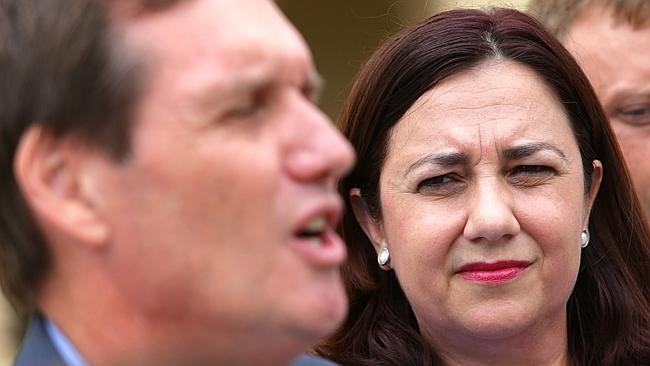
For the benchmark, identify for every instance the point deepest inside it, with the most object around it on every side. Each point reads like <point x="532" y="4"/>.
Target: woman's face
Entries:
<point x="482" y="205"/>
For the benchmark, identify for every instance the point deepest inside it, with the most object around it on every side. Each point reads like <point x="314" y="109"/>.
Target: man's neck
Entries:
<point x="107" y="329"/>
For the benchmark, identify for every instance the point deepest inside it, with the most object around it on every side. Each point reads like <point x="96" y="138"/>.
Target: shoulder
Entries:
<point x="309" y="360"/>
<point x="37" y="348"/>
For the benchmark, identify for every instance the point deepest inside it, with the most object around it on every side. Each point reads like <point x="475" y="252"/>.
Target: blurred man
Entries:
<point x="167" y="183"/>
<point x="611" y="41"/>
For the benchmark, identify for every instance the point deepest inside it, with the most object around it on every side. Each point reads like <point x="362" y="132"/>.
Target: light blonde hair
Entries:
<point x="558" y="15"/>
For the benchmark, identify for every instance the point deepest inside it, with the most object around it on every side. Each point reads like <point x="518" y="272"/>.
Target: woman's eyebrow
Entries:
<point x="444" y="159"/>
<point x="512" y="153"/>
<point x="528" y="149"/>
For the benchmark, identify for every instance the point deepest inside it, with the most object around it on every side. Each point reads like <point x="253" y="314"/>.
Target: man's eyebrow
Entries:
<point x="248" y="82"/>
<point x="444" y="159"/>
<point x="528" y="149"/>
<point x="621" y="95"/>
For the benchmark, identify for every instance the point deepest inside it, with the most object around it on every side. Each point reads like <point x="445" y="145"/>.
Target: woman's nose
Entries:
<point x="490" y="214"/>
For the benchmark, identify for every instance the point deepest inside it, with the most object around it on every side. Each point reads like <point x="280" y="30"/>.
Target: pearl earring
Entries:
<point x="584" y="238"/>
<point x="383" y="257"/>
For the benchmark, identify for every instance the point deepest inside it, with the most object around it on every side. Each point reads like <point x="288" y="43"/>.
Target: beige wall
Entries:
<point x="7" y="330"/>
<point x="424" y="7"/>
<point x="342" y="33"/>
<point x="446" y="4"/>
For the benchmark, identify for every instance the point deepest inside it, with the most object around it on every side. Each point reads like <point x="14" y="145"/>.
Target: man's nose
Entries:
<point x="322" y="153"/>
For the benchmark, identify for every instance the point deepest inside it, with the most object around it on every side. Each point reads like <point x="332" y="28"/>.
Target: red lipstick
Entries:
<point x="493" y="273"/>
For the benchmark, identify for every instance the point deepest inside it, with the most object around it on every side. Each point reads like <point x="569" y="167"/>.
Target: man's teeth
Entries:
<point x="313" y="230"/>
<point x="315" y="241"/>
<point x="316" y="225"/>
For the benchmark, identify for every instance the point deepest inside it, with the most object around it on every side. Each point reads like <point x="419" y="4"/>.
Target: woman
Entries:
<point x="490" y="218"/>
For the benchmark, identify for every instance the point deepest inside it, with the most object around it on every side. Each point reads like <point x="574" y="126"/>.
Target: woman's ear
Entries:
<point x="594" y="186"/>
<point x="50" y="176"/>
<point x="371" y="226"/>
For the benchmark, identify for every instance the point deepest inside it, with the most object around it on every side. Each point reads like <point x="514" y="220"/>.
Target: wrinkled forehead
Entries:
<point x="501" y="99"/>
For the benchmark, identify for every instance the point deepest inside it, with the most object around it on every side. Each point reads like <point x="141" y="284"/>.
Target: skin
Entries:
<point x="189" y="246"/>
<point x="439" y="215"/>
<point x="614" y="55"/>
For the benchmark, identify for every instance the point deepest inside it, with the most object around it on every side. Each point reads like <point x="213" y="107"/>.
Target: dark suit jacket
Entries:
<point x="37" y="348"/>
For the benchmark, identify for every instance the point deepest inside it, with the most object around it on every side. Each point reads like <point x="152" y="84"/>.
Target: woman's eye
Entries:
<point x="439" y="184"/>
<point x="534" y="169"/>
<point x="531" y="174"/>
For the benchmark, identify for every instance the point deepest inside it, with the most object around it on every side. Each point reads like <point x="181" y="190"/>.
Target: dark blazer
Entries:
<point x="37" y="348"/>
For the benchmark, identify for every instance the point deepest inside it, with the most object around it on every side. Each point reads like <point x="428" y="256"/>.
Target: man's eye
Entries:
<point x="312" y="93"/>
<point x="636" y="114"/>
<point x="250" y="108"/>
<point x="245" y="110"/>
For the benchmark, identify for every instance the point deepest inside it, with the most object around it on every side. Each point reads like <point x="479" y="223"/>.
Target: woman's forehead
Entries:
<point x="501" y="104"/>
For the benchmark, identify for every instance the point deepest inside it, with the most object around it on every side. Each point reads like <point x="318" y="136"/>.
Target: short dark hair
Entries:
<point x="558" y="15"/>
<point x="63" y="67"/>
<point x="608" y="311"/>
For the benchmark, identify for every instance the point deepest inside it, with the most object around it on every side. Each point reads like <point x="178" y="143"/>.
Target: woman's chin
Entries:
<point x="496" y="322"/>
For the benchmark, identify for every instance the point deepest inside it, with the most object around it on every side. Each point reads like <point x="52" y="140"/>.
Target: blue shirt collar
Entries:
<point x="66" y="349"/>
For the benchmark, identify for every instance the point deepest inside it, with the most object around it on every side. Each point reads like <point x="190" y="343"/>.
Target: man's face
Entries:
<point x="222" y="216"/>
<point x="616" y="58"/>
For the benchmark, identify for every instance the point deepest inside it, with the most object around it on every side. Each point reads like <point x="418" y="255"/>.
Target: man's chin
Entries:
<point x="334" y="316"/>
<point x="326" y="316"/>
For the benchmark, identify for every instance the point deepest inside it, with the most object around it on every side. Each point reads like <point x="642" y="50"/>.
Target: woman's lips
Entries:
<point x="493" y="273"/>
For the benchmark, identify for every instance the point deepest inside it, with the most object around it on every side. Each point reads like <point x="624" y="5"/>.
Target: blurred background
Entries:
<point x="10" y="331"/>
<point x="341" y="34"/>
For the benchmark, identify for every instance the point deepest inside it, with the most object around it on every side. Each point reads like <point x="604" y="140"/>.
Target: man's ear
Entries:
<point x="594" y="186"/>
<point x="371" y="226"/>
<point x="50" y="174"/>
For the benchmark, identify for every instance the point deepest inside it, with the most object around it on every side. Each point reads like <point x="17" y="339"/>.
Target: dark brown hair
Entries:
<point x="558" y="15"/>
<point x="608" y="312"/>
<point x="63" y="67"/>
